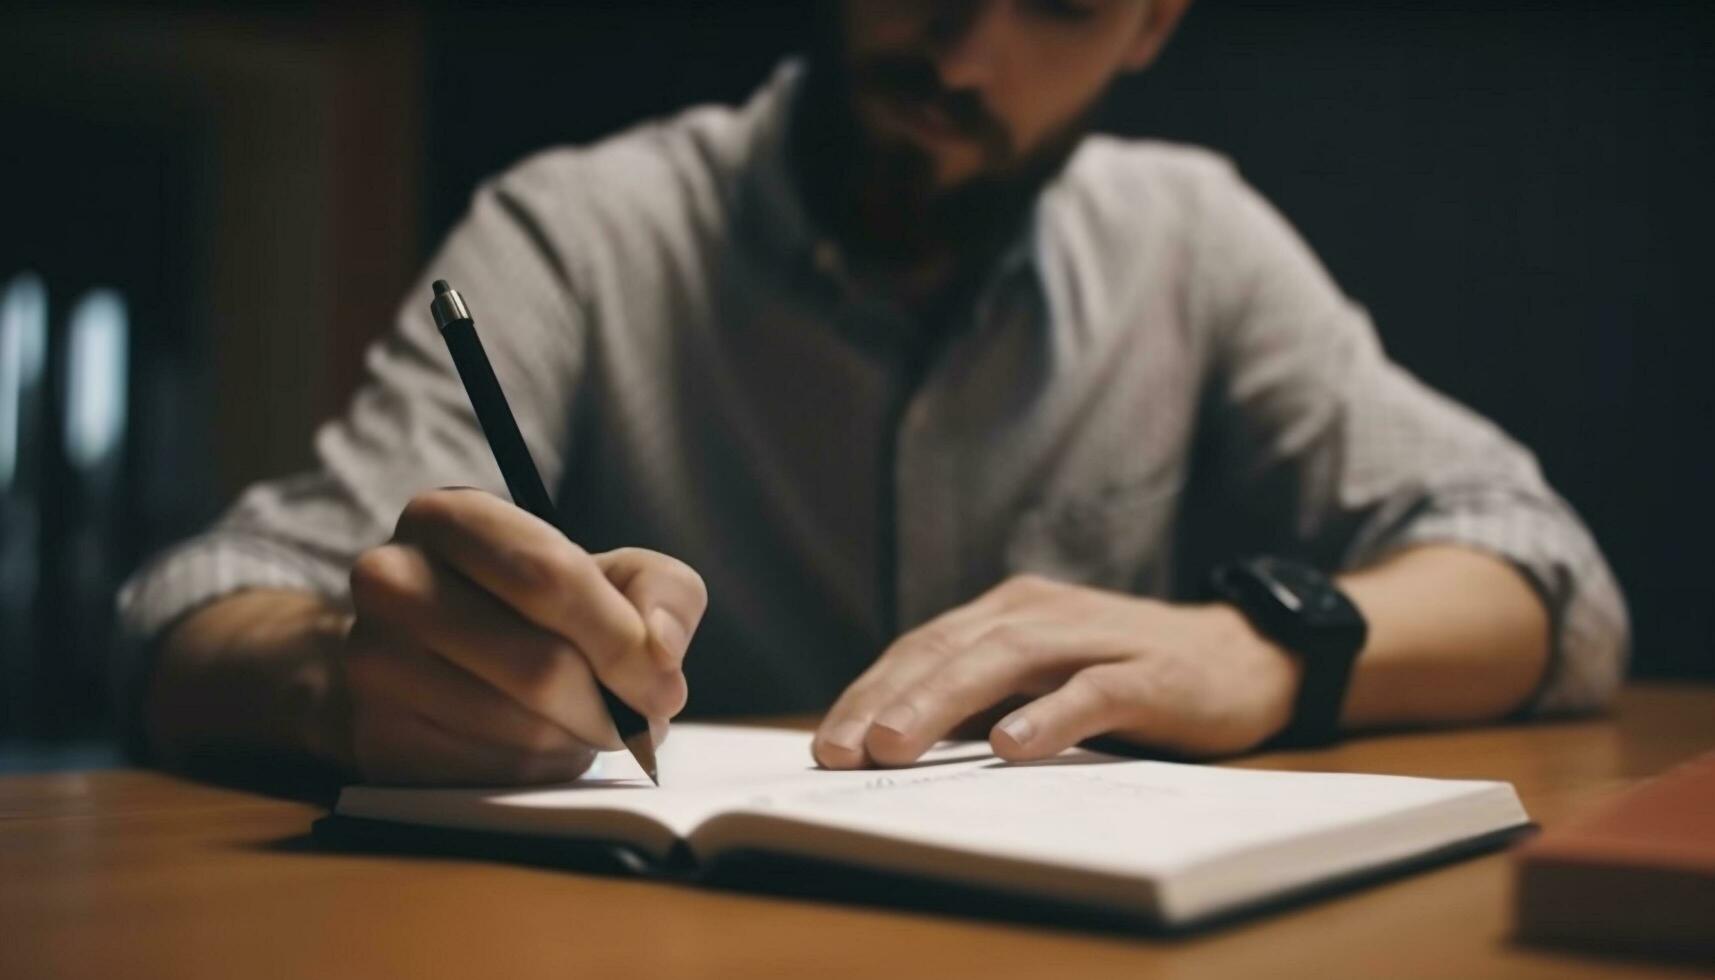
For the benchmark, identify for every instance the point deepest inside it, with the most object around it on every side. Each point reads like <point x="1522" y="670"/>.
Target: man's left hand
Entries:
<point x="1192" y="680"/>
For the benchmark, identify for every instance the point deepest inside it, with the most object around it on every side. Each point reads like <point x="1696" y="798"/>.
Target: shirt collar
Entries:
<point x="771" y="213"/>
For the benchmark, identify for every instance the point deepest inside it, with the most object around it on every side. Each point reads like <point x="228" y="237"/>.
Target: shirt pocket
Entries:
<point x="1118" y="537"/>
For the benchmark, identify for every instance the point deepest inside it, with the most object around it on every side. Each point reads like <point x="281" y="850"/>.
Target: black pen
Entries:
<point x="519" y="470"/>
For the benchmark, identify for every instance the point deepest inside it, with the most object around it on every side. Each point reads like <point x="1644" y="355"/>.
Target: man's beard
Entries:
<point x="843" y="170"/>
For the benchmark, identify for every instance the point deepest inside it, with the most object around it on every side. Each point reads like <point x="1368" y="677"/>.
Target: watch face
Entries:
<point x="1321" y="612"/>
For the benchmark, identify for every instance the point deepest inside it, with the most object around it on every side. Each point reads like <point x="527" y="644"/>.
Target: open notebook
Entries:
<point x="1165" y="842"/>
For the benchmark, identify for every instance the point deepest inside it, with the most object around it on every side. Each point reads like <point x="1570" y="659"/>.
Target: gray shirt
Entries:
<point x="1159" y="373"/>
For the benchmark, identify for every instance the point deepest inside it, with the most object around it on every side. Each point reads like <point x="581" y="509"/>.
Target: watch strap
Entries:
<point x="1302" y="610"/>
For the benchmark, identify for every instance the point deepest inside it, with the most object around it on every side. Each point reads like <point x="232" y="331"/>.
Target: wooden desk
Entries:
<point x="135" y="874"/>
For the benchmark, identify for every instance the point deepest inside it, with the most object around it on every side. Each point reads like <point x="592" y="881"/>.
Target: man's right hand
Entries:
<point x="478" y="635"/>
<point x="480" y="631"/>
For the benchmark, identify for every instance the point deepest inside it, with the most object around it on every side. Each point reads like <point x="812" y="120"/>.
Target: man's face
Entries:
<point x="977" y="88"/>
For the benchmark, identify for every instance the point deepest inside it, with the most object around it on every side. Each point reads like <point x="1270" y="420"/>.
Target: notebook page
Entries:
<point x="704" y="769"/>
<point x="1098" y="813"/>
<point x="708" y="768"/>
<point x="1081" y="811"/>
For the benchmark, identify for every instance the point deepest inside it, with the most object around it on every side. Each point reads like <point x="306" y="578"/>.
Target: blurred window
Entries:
<point x="97" y="366"/>
<point x="23" y="343"/>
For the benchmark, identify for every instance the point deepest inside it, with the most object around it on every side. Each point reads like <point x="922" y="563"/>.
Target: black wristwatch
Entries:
<point x="1303" y="610"/>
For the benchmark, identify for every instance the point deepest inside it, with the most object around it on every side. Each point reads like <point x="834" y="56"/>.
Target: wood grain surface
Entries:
<point x="136" y="874"/>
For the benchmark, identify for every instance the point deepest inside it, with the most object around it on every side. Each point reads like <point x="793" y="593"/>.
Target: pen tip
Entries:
<point x="441" y="287"/>
<point x="642" y="747"/>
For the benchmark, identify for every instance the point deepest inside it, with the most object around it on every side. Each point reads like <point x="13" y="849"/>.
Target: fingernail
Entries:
<point x="847" y="735"/>
<point x="665" y="627"/>
<point x="897" y="718"/>
<point x="1018" y="728"/>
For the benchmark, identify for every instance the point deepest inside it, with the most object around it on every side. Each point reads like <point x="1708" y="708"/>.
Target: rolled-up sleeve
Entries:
<point x="1349" y="458"/>
<point x="408" y="428"/>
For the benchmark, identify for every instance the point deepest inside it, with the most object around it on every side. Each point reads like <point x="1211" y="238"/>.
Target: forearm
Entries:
<point x="1455" y="635"/>
<point x="249" y="675"/>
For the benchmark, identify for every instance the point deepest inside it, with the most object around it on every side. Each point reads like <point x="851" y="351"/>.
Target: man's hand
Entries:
<point x="1193" y="680"/>
<point x="480" y="631"/>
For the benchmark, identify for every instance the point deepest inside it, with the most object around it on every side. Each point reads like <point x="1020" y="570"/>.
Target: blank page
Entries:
<point x="1208" y="836"/>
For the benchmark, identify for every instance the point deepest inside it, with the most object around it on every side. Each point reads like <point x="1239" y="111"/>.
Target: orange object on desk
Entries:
<point x="1638" y="872"/>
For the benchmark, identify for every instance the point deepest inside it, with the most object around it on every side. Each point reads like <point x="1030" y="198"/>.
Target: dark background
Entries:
<point x="1519" y="192"/>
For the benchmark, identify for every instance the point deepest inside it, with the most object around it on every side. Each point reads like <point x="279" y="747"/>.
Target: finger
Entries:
<point x="839" y="739"/>
<point x="1092" y="702"/>
<point x="529" y="565"/>
<point x="976" y="727"/>
<point x="669" y="594"/>
<point x="398" y="746"/>
<point x="403" y="592"/>
<point x="379" y="671"/>
<point x="1011" y="659"/>
<point x="838" y="742"/>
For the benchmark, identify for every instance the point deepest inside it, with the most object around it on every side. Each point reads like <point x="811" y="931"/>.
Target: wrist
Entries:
<point x="315" y="701"/>
<point x="251" y="675"/>
<point x="1271" y="674"/>
<point x="1298" y="607"/>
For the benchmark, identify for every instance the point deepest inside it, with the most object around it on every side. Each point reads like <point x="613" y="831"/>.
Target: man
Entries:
<point x="896" y="391"/>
